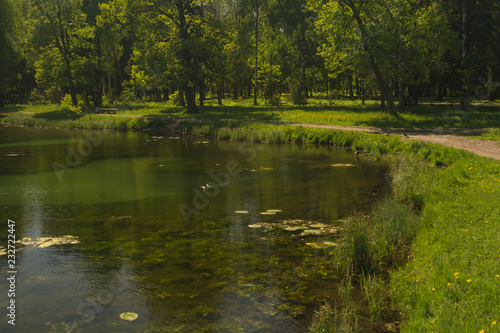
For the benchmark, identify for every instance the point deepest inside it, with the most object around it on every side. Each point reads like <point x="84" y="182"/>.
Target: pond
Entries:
<point x="190" y="234"/>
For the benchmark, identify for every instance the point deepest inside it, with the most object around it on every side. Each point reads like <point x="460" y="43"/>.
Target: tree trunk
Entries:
<point x="373" y="64"/>
<point x="219" y="96"/>
<point x="349" y="84"/>
<point x="439" y="96"/>
<point x="182" y="101"/>
<point x="384" y="90"/>
<point x="256" y="54"/>
<point x="202" y="94"/>
<point x="191" y="100"/>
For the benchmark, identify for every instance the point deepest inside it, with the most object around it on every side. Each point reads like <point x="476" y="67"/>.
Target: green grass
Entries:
<point x="71" y="120"/>
<point x="451" y="283"/>
<point x="375" y="295"/>
<point x="317" y="111"/>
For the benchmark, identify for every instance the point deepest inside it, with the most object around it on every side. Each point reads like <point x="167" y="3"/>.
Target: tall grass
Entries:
<point x="343" y="318"/>
<point x="374" y="290"/>
<point x="85" y="122"/>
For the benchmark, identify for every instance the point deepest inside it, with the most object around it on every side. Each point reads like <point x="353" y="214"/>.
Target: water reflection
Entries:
<point x="138" y="254"/>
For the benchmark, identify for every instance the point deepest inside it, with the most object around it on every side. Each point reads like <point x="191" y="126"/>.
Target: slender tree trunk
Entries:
<point x="384" y="90"/>
<point x="491" y="86"/>
<point x="349" y="83"/>
<point x="219" y="96"/>
<point x="373" y="64"/>
<point x="182" y="101"/>
<point x="401" y="94"/>
<point x="439" y="96"/>
<point x="202" y="94"/>
<point x="464" y="30"/>
<point x="256" y="54"/>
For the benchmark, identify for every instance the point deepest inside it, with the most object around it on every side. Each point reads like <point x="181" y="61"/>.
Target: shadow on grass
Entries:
<point x="257" y="113"/>
<point x="437" y="116"/>
<point x="11" y="108"/>
<point x="64" y="114"/>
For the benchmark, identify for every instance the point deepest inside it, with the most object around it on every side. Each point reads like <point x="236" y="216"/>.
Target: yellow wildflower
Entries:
<point x="469" y="280"/>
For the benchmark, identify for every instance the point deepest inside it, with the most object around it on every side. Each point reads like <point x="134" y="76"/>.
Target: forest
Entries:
<point x="97" y="52"/>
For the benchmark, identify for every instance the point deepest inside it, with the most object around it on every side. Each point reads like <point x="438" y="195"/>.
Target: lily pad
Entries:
<point x="310" y="232"/>
<point x="267" y="213"/>
<point x="343" y="165"/>
<point x="318" y="225"/>
<point x="241" y="212"/>
<point x="274" y="210"/>
<point x="299" y="227"/>
<point x="129" y="316"/>
<point x="322" y="245"/>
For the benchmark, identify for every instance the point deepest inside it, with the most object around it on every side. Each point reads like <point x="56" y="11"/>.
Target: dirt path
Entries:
<point x="440" y="136"/>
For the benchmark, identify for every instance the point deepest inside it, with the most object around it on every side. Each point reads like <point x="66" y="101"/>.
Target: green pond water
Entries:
<point x="109" y="223"/>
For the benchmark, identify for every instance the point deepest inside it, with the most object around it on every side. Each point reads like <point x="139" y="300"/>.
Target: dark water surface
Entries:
<point x="146" y="238"/>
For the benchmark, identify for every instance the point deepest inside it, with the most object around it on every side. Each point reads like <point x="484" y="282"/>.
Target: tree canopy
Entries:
<point x="98" y="51"/>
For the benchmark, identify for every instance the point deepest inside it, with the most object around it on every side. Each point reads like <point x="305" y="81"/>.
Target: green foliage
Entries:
<point x="9" y="26"/>
<point x="394" y="227"/>
<point x="324" y="320"/>
<point x="374" y="290"/>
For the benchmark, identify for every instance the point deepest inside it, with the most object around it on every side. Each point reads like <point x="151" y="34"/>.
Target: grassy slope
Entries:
<point x="452" y="283"/>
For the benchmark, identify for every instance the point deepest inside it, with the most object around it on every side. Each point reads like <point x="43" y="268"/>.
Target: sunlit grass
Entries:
<point x="451" y="282"/>
<point x="317" y="111"/>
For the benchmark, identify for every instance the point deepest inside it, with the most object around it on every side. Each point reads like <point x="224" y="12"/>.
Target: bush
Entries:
<point x="334" y="94"/>
<point x="38" y="97"/>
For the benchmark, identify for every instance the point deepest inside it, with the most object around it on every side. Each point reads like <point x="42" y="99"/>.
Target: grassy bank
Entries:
<point x="432" y="251"/>
<point x="70" y="120"/>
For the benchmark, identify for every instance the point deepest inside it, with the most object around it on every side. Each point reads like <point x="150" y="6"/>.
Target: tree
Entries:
<point x="178" y="36"/>
<point x="8" y="48"/>
<point x="63" y="41"/>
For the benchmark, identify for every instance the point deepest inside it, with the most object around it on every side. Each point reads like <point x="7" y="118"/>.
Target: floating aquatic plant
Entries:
<point x="43" y="242"/>
<point x="129" y="316"/>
